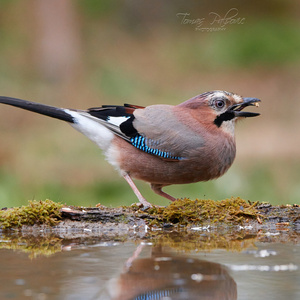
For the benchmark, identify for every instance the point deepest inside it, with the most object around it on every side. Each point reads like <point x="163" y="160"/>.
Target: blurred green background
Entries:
<point x="82" y="54"/>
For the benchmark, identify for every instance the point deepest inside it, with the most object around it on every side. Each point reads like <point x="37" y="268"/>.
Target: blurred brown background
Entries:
<point x="82" y="54"/>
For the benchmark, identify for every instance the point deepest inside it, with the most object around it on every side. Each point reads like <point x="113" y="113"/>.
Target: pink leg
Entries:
<point x="157" y="189"/>
<point x="136" y="191"/>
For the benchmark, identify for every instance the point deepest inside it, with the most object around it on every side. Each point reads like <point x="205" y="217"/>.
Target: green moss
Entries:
<point x="186" y="211"/>
<point x="188" y="241"/>
<point x="36" y="212"/>
<point x="33" y="246"/>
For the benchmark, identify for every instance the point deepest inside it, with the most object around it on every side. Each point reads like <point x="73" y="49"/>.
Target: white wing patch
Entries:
<point x="117" y="120"/>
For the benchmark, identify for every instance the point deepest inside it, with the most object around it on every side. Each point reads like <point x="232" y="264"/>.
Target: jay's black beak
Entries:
<point x="236" y="109"/>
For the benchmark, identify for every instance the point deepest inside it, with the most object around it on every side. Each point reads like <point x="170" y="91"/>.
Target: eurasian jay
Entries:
<point x="160" y="144"/>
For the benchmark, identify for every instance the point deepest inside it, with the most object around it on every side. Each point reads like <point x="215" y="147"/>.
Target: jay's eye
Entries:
<point x="219" y="103"/>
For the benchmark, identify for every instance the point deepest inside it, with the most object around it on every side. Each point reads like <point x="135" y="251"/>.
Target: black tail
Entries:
<point x="51" y="111"/>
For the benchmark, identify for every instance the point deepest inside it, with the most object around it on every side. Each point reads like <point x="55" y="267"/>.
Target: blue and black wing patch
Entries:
<point x="145" y="145"/>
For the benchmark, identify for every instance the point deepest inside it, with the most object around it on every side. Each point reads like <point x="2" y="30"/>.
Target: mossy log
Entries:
<point x="183" y="212"/>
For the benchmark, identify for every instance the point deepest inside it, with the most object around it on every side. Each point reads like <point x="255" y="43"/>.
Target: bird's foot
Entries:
<point x="143" y="205"/>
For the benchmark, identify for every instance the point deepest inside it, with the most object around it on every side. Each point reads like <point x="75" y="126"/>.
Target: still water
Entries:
<point x="165" y="266"/>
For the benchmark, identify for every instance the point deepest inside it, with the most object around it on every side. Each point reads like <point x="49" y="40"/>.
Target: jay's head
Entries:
<point x="222" y="108"/>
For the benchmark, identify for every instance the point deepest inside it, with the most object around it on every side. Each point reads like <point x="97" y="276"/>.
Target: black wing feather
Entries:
<point x="106" y="111"/>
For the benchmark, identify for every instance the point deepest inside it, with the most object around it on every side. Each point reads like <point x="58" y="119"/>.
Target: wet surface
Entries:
<point x="200" y="263"/>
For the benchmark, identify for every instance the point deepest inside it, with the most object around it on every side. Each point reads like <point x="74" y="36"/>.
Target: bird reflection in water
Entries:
<point x="168" y="276"/>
